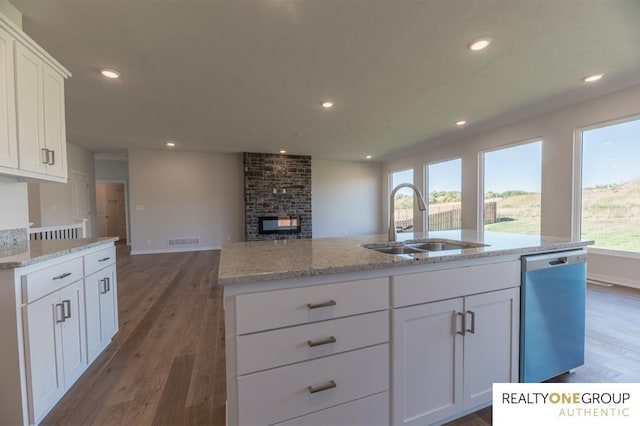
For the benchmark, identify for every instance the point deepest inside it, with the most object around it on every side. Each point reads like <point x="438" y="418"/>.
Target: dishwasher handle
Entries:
<point x="553" y="260"/>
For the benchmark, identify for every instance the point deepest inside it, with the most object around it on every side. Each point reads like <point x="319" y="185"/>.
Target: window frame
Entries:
<point x="576" y="206"/>
<point x="481" y="182"/>
<point x="425" y="185"/>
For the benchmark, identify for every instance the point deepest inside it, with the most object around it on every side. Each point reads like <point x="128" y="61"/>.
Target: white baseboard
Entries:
<point x="174" y="250"/>
<point x="613" y="280"/>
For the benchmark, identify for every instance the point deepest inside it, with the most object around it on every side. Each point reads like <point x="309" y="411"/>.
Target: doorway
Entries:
<point x="111" y="210"/>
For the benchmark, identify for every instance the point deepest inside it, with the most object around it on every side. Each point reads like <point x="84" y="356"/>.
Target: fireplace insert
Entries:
<point x="279" y="224"/>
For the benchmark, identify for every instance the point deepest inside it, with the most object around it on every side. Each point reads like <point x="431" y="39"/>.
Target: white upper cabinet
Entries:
<point x="32" y="118"/>
<point x="8" y="142"/>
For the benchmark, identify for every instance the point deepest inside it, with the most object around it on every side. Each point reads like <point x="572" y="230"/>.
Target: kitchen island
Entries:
<point x="326" y="331"/>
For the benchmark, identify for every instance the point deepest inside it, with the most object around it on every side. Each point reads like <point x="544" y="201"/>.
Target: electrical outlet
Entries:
<point x="148" y="243"/>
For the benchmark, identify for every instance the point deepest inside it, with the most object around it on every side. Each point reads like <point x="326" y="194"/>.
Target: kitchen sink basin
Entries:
<point x="397" y="249"/>
<point x="443" y="245"/>
<point x="417" y="246"/>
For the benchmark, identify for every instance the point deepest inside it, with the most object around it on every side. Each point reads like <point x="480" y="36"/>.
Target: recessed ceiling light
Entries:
<point x="479" y="43"/>
<point x="170" y="144"/>
<point x="282" y="151"/>
<point x="461" y="122"/>
<point x="327" y="104"/>
<point x="368" y="157"/>
<point x="592" y="78"/>
<point x="110" y="73"/>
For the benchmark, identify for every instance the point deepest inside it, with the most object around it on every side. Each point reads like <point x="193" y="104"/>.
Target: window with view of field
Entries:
<point x="512" y="188"/>
<point x="610" y="210"/>
<point x="444" y="188"/>
<point x="404" y="200"/>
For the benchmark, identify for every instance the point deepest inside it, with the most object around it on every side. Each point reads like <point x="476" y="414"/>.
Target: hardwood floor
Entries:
<point x="166" y="364"/>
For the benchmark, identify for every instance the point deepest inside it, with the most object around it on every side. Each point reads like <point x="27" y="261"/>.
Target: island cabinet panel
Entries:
<point x="370" y="411"/>
<point x="447" y="355"/>
<point x="280" y="308"/>
<point x="38" y="283"/>
<point x="309" y="341"/>
<point x="412" y="289"/>
<point x="284" y="393"/>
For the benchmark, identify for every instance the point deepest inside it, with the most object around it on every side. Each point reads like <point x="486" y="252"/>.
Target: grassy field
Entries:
<point x="611" y="216"/>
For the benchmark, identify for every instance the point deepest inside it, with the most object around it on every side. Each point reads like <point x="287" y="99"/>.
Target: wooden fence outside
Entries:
<point x="448" y="218"/>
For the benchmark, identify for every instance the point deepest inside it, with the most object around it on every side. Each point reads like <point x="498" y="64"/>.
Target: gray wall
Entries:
<point x="112" y="169"/>
<point x="556" y="129"/>
<point x="177" y="194"/>
<point x="346" y="198"/>
<point x="14" y="212"/>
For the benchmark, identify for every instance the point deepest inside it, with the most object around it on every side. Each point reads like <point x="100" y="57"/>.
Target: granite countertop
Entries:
<point x="252" y="262"/>
<point x="40" y="250"/>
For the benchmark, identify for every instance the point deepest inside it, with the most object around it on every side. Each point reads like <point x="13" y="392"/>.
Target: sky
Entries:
<point x="611" y="155"/>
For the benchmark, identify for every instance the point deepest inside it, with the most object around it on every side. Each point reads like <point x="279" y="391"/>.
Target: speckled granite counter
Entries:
<point x="38" y="251"/>
<point x="276" y="260"/>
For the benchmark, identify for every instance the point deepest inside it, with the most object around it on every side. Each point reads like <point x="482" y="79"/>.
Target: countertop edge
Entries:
<point x="274" y="276"/>
<point x="59" y="253"/>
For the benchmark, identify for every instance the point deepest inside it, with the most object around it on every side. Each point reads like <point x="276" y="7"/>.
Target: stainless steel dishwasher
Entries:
<point x="552" y="314"/>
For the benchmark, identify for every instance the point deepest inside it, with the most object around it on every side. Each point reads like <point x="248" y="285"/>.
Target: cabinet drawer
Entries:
<point x="274" y="348"/>
<point x="283" y="393"/>
<point x="40" y="283"/>
<point x="97" y="260"/>
<point x="413" y="289"/>
<point x="370" y="411"/>
<point x="281" y="308"/>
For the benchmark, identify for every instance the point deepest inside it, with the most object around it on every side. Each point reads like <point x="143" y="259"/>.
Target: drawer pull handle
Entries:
<point x="330" y="385"/>
<point x="326" y="341"/>
<point x="66" y="309"/>
<point x="61" y="276"/>
<point x="321" y="305"/>
<point x="104" y="259"/>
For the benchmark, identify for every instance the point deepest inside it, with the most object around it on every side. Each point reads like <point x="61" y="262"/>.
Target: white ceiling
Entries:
<point x="234" y="76"/>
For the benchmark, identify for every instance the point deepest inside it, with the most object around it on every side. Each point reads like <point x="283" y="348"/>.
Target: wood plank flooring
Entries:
<point x="166" y="365"/>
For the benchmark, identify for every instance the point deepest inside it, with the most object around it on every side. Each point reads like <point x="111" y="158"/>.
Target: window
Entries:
<point x="444" y="188"/>
<point x="610" y="210"/>
<point x="403" y="212"/>
<point x="512" y="182"/>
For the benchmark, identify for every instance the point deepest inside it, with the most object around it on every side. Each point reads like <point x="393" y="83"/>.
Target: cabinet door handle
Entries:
<point x="61" y="276"/>
<point x="326" y="341"/>
<point x="66" y="309"/>
<point x="471" y="330"/>
<point x="108" y="282"/>
<point x="463" y="317"/>
<point x="104" y="258"/>
<point x="330" y="385"/>
<point x="321" y="305"/>
<point x="59" y="318"/>
<point x="53" y="158"/>
<point x="45" y="155"/>
<point x="103" y="286"/>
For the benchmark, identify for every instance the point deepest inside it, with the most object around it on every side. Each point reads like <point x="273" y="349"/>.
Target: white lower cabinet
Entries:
<point x="102" y="310"/>
<point x="56" y="316"/>
<point x="55" y="346"/>
<point x="369" y="411"/>
<point x="447" y="355"/>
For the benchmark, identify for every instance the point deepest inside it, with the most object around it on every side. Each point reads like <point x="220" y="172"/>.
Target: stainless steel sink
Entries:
<point x="397" y="250"/>
<point x="443" y="245"/>
<point x="421" y="246"/>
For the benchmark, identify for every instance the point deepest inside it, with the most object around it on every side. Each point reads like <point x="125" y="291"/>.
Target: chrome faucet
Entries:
<point x="392" y="207"/>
